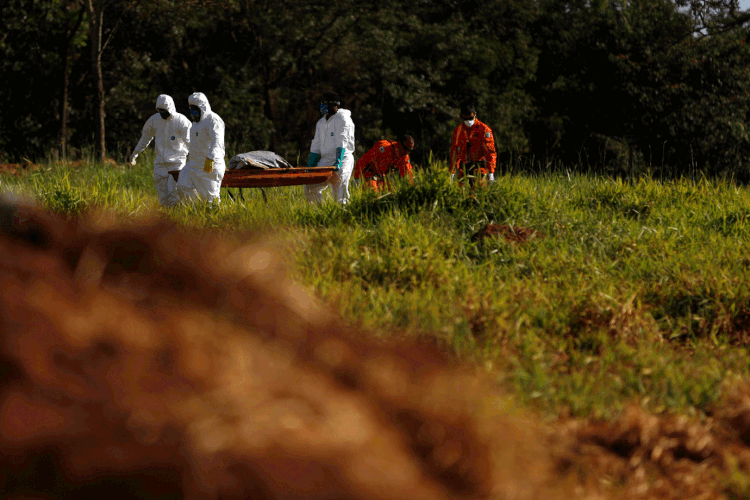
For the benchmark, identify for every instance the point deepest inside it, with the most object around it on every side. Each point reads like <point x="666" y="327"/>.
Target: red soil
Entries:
<point x="511" y="234"/>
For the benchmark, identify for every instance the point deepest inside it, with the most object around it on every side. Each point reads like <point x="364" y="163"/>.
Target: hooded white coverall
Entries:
<point x="330" y="134"/>
<point x="206" y="141"/>
<point x="171" y="138"/>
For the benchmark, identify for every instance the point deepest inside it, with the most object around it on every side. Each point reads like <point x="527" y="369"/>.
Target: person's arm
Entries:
<point x="456" y="150"/>
<point x="315" y="147"/>
<point x="489" y="149"/>
<point x="147" y="135"/>
<point x="366" y="165"/>
<point x="184" y="131"/>
<point x="405" y="168"/>
<point x="216" y="146"/>
<point x="343" y="130"/>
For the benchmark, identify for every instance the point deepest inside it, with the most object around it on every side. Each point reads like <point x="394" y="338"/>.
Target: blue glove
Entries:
<point x="339" y="158"/>
<point x="312" y="160"/>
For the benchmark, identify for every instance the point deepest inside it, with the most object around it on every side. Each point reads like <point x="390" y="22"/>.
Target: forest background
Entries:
<point x="655" y="86"/>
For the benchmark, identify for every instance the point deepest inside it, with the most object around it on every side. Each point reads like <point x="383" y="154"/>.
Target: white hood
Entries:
<point x="345" y="113"/>
<point x="199" y="99"/>
<point x="166" y="102"/>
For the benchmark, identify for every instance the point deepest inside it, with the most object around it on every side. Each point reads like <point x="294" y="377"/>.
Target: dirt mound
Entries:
<point x="654" y="457"/>
<point x="149" y="362"/>
<point x="511" y="234"/>
<point x="646" y="456"/>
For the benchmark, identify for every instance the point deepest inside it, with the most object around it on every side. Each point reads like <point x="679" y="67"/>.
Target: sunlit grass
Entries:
<point x="632" y="291"/>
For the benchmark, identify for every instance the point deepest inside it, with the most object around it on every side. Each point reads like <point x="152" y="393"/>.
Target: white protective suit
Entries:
<point x="206" y="141"/>
<point x="171" y="138"/>
<point x="330" y="134"/>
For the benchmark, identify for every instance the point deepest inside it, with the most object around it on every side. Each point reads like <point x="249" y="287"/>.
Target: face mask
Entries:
<point x="164" y="114"/>
<point x="323" y="108"/>
<point x="195" y="114"/>
<point x="469" y="123"/>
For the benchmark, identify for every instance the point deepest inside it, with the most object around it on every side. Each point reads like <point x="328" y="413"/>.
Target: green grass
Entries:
<point x="632" y="292"/>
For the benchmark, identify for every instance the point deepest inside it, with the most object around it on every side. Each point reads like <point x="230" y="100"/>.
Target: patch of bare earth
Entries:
<point x="646" y="456"/>
<point x="18" y="169"/>
<point x="511" y="234"/>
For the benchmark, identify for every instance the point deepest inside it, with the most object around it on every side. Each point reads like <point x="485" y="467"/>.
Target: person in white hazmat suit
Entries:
<point x="201" y="178"/>
<point x="332" y="145"/>
<point x="170" y="132"/>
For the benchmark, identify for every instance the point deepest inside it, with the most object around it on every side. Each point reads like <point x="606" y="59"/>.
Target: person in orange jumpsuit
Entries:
<point x="472" y="148"/>
<point x="384" y="158"/>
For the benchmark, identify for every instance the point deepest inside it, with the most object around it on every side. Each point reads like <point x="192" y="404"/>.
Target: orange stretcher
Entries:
<point x="272" y="177"/>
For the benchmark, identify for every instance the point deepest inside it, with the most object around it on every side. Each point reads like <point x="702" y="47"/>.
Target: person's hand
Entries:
<point x="132" y="159"/>
<point x="208" y="166"/>
<point x="339" y="158"/>
<point x="492" y="177"/>
<point x="372" y="168"/>
<point x="312" y="160"/>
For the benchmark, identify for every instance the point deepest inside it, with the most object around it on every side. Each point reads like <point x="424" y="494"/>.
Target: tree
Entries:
<point x="98" y="40"/>
<point x="637" y="72"/>
<point x="72" y="19"/>
<point x="38" y="44"/>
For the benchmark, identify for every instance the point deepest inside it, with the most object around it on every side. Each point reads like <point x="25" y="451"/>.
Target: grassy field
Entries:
<point x="629" y="292"/>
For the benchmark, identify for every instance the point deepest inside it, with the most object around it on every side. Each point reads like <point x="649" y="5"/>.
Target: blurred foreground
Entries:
<point x="147" y="361"/>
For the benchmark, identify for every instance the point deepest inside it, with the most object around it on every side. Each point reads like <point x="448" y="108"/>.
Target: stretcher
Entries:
<point x="272" y="177"/>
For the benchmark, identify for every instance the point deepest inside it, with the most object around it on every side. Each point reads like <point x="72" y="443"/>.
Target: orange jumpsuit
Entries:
<point x="479" y="143"/>
<point x="383" y="158"/>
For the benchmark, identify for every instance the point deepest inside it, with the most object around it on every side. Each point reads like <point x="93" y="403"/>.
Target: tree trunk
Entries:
<point x="64" y="103"/>
<point x="66" y="52"/>
<point x="96" y="18"/>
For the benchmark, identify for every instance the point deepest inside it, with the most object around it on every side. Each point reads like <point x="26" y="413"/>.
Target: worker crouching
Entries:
<point x="384" y="159"/>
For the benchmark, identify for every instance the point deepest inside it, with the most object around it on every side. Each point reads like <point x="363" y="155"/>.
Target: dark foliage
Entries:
<point x="644" y="86"/>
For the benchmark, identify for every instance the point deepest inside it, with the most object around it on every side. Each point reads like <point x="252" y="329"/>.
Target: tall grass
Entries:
<point x="630" y="292"/>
